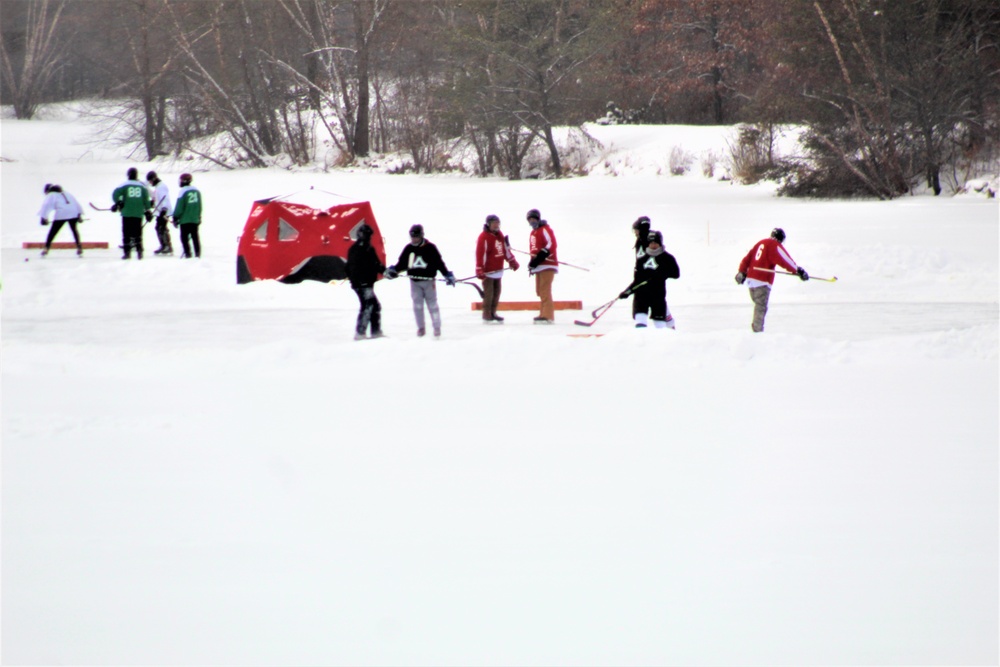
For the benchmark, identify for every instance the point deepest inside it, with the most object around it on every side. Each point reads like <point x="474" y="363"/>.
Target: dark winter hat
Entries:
<point x="492" y="218"/>
<point x="640" y="222"/>
<point x="655" y="237"/>
<point x="186" y="179"/>
<point x="364" y="232"/>
<point x="417" y="231"/>
<point x="778" y="234"/>
<point x="534" y="213"/>
<point x="132" y="173"/>
<point x="151" y="176"/>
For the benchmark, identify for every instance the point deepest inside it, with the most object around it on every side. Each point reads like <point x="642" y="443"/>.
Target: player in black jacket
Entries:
<point x="363" y="268"/>
<point x="652" y="266"/>
<point x="421" y="260"/>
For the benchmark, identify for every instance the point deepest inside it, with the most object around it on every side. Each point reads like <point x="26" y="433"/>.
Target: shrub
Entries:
<point x="709" y="161"/>
<point x="752" y="155"/>
<point x="680" y="161"/>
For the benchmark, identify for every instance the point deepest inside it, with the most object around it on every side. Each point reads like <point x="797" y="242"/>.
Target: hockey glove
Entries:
<point x="391" y="273"/>
<point x="149" y="215"/>
<point x="801" y="273"/>
<point x="626" y="294"/>
<point x="176" y="224"/>
<point x="43" y="221"/>
<point x="740" y="277"/>
<point x="114" y="207"/>
<point x="480" y="274"/>
<point x="449" y="279"/>
<point x="540" y="257"/>
<point x="513" y="264"/>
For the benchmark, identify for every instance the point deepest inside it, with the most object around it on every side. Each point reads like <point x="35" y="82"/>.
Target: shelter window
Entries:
<point x="261" y="233"/>
<point x="286" y="232"/>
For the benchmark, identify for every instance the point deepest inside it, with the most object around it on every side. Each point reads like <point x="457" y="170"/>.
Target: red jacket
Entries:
<point x="766" y="254"/>
<point x="544" y="237"/>
<point x="491" y="252"/>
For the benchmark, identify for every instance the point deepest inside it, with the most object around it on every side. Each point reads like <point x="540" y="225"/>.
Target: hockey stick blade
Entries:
<point x="97" y="208"/>
<point x="479" y="289"/>
<point x="600" y="310"/>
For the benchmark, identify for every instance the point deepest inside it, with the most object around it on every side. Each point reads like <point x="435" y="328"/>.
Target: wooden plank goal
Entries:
<point x="66" y="245"/>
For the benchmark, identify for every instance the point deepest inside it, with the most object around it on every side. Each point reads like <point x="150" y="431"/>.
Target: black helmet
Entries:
<point x="364" y="232"/>
<point x="132" y="173"/>
<point x="186" y="179"/>
<point x="52" y="187"/>
<point x="151" y="176"/>
<point x="778" y="234"/>
<point x="417" y="231"/>
<point x="655" y="237"/>
<point x="492" y="218"/>
<point x="534" y="213"/>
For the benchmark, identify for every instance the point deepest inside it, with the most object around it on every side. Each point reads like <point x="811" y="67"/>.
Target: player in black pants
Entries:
<point x="363" y="269"/>
<point x="652" y="266"/>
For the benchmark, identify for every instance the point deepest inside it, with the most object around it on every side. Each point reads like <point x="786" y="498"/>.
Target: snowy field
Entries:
<point x="200" y="472"/>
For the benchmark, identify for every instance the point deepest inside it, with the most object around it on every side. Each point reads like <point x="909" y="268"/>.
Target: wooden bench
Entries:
<point x="532" y="305"/>
<point x="66" y="245"/>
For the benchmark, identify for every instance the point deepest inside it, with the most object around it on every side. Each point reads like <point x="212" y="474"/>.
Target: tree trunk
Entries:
<point x="361" y="130"/>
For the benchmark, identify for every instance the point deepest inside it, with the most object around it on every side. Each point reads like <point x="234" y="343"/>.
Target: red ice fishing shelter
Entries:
<point x="293" y="242"/>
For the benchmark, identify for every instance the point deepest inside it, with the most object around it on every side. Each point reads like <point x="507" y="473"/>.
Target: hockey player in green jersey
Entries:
<point x="132" y="199"/>
<point x="187" y="216"/>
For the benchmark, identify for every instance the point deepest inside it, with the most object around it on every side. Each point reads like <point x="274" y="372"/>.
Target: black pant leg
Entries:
<point x="53" y="230"/>
<point x="195" y="239"/>
<point x="76" y="234"/>
<point x="131" y="235"/>
<point x="376" y="313"/>
<point x="364" y="311"/>
<point x="186" y="240"/>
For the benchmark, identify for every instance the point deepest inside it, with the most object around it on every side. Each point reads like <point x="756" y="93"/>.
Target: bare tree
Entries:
<point x="341" y="38"/>
<point x="42" y="54"/>
<point x="231" y="66"/>
<point x="520" y="63"/>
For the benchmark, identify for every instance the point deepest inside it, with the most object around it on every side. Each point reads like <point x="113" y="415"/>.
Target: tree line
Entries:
<point x="891" y="94"/>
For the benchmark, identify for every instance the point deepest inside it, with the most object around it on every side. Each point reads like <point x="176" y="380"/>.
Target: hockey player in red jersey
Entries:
<point x="544" y="264"/>
<point x="492" y="250"/>
<point x="757" y="272"/>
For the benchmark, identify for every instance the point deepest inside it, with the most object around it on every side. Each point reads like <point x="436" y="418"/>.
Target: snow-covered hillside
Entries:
<point x="200" y="472"/>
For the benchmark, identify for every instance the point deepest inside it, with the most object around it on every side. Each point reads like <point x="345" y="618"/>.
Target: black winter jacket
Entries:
<point x="654" y="270"/>
<point x="363" y="265"/>
<point x="423" y="261"/>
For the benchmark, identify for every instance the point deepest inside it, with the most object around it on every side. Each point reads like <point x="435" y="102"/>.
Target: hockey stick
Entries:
<point x="97" y="208"/>
<point x="442" y="280"/>
<point x="465" y="281"/>
<point x="574" y="266"/>
<point x="788" y="273"/>
<point x="600" y="310"/>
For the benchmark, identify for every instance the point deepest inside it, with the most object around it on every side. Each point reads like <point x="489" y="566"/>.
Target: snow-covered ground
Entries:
<point x="198" y="472"/>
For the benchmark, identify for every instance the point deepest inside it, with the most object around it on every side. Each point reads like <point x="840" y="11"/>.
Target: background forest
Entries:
<point x="889" y="96"/>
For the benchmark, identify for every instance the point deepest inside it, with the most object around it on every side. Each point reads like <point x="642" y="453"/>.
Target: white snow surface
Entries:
<point x="200" y="472"/>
